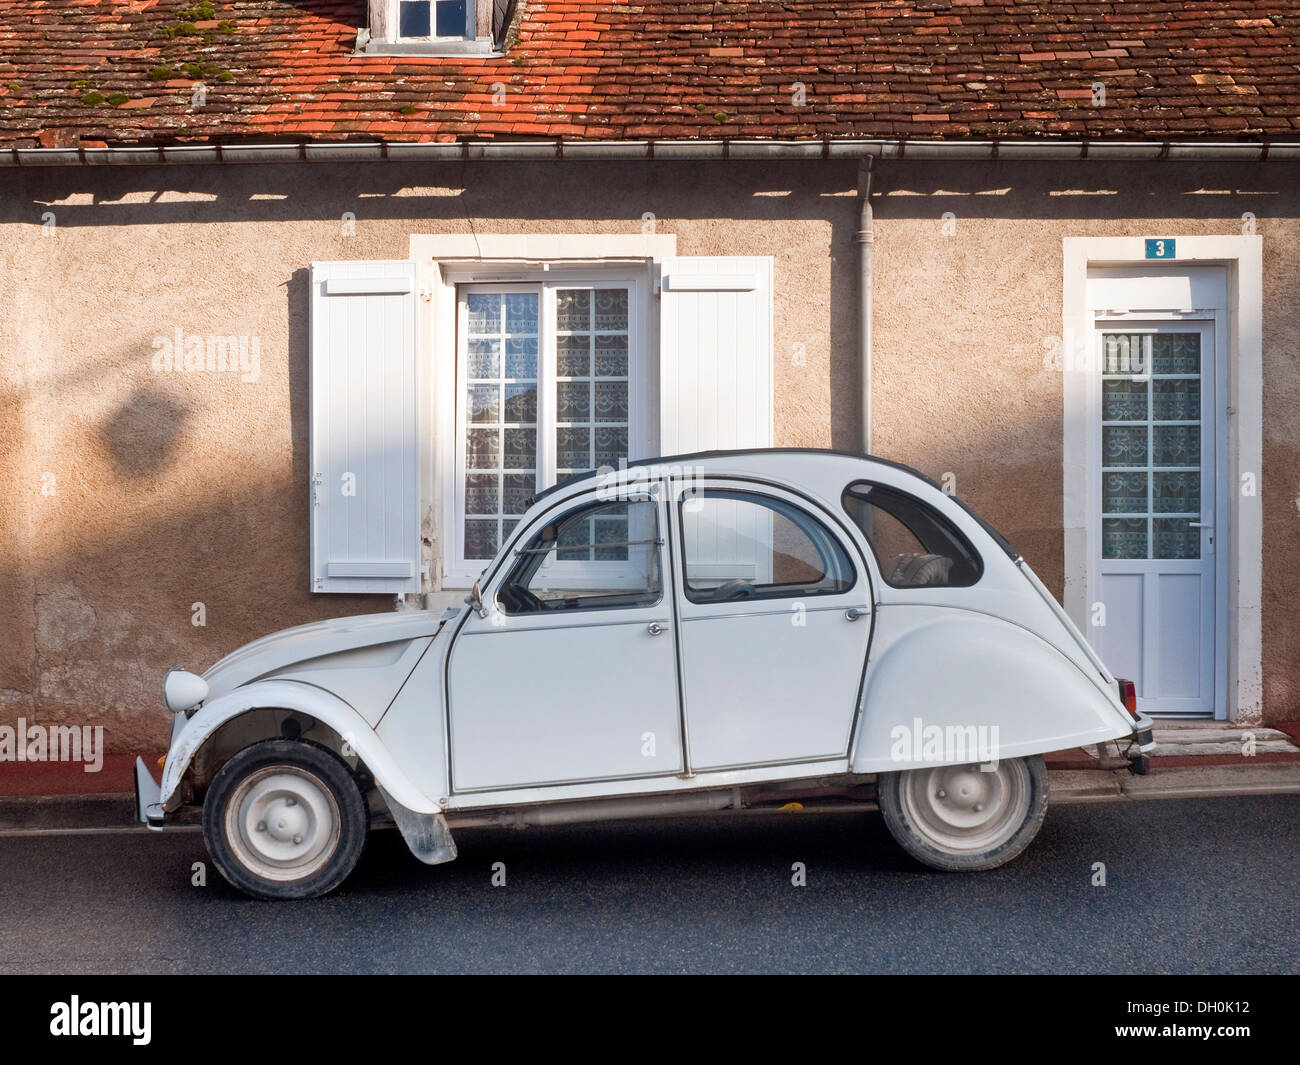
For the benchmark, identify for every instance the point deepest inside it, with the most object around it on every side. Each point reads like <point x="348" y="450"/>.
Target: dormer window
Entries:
<point x="424" y="20"/>
<point x="435" y="27"/>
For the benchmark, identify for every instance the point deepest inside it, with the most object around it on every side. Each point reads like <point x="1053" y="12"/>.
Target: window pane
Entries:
<point x="480" y="538"/>
<point x="592" y="397"/>
<point x="1124" y="493"/>
<point x="595" y="557"/>
<point x="484" y="313"/>
<point x="1123" y="538"/>
<point x="1176" y="445"/>
<point x="611" y="445"/>
<point x="1122" y="445"/>
<point x="737" y="546"/>
<point x="611" y="355"/>
<point x="914" y="544"/>
<point x="1177" y="493"/>
<point x="573" y="309"/>
<point x="451" y="18"/>
<point x="414" y="18"/>
<point x="1124" y="401"/>
<point x="1176" y="399"/>
<point x="1174" y="538"/>
<point x="573" y="448"/>
<point x="611" y="309"/>
<point x="484" y="356"/>
<point x="1176" y="353"/>
<point x="1124" y="354"/>
<point x="500" y="415"/>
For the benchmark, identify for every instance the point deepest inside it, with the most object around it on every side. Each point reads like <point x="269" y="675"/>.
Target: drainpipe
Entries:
<point x="866" y="239"/>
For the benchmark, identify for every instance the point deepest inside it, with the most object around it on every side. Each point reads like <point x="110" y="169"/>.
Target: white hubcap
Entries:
<point x="961" y="810"/>
<point x="282" y="823"/>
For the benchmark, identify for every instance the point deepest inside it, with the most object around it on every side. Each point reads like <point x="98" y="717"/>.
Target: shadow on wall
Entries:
<point x="94" y="608"/>
<point x="571" y="191"/>
<point x="142" y="434"/>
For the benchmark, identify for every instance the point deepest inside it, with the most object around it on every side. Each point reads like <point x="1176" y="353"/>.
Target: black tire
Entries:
<point x="912" y="834"/>
<point x="329" y="786"/>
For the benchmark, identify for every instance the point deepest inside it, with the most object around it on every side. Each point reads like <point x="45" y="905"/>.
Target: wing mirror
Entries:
<point x="475" y="600"/>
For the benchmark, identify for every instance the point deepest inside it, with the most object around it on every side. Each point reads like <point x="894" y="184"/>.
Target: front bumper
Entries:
<point x="148" y="797"/>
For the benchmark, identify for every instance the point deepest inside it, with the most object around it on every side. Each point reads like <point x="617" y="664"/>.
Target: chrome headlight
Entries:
<point x="183" y="690"/>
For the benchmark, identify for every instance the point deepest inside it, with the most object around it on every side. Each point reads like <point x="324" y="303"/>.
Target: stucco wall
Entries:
<point x="176" y="489"/>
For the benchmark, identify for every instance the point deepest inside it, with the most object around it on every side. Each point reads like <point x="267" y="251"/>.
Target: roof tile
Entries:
<point x="601" y="69"/>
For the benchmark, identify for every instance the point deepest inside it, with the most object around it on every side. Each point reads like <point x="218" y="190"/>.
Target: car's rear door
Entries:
<point x="775" y="611"/>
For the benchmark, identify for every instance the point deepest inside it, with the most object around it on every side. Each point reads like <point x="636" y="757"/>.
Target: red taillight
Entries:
<point x="1128" y="695"/>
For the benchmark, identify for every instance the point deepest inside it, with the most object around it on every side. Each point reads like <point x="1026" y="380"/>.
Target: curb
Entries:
<point x="68" y="815"/>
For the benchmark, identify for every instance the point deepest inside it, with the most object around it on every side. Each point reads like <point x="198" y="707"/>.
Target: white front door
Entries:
<point x="1154" y="483"/>
<point x="572" y="676"/>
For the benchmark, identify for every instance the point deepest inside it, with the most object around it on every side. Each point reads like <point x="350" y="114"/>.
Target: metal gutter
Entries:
<point x="538" y="150"/>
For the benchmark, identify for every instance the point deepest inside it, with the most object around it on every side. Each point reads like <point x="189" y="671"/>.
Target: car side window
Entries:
<point x="599" y="556"/>
<point x="742" y="545"/>
<point x="915" y="545"/>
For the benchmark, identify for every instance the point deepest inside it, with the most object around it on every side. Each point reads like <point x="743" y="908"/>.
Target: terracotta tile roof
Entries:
<point x="79" y="71"/>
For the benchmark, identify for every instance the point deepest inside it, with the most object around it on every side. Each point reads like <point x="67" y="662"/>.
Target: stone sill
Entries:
<point x="480" y="47"/>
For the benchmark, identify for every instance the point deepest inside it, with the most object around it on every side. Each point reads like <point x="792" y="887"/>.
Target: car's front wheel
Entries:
<point x="965" y="818"/>
<point x="284" y="819"/>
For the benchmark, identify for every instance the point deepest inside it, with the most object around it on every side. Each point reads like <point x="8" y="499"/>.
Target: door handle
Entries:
<point x="1201" y="524"/>
<point x="855" y="612"/>
<point x="656" y="629"/>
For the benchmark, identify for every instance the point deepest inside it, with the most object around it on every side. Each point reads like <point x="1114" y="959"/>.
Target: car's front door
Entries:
<point x="572" y="675"/>
<point x="775" y="607"/>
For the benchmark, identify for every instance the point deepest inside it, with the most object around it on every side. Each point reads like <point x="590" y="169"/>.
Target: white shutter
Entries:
<point x="365" y="533"/>
<point x="715" y="393"/>
<point x="715" y="354"/>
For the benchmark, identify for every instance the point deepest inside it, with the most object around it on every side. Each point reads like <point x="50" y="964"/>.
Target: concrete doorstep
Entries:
<point x="55" y="815"/>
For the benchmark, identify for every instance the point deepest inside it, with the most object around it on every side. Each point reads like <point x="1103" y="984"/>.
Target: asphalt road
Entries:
<point x="1206" y="885"/>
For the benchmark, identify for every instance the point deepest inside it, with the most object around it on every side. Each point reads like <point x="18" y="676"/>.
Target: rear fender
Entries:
<point x="946" y="687"/>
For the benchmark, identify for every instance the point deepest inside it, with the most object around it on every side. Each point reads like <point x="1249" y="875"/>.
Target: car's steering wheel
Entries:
<point x="736" y="588"/>
<point x="519" y="600"/>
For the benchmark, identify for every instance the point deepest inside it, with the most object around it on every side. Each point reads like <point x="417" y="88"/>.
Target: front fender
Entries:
<point x="940" y="679"/>
<point x="309" y="700"/>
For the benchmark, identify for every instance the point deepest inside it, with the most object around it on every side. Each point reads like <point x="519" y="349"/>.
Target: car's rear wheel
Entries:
<point x="284" y="819"/>
<point x="961" y="818"/>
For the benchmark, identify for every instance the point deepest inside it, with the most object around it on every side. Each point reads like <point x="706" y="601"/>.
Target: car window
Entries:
<point x="914" y="544"/>
<point x="742" y="545"/>
<point x="597" y="556"/>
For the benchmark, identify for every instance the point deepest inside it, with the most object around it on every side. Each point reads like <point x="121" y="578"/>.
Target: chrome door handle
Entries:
<point x="855" y="612"/>
<point x="656" y="629"/>
<point x="1200" y="524"/>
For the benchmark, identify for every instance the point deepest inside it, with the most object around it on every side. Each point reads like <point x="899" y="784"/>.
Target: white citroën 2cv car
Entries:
<point x="704" y="633"/>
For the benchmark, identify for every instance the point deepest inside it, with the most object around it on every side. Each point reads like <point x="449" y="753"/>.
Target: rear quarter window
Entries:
<point x="915" y="546"/>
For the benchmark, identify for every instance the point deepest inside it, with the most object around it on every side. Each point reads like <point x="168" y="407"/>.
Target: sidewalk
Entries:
<point x="1192" y="760"/>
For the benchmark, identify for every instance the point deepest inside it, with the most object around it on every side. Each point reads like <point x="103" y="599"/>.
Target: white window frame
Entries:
<point x="458" y="571"/>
